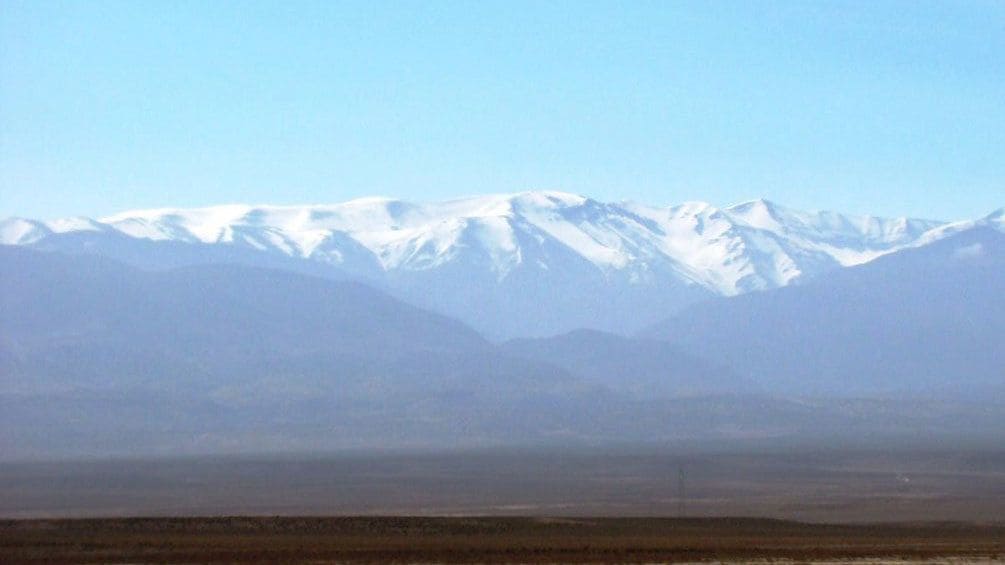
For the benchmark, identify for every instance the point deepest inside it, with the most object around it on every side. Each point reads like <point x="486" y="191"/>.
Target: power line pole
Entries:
<point x="680" y="492"/>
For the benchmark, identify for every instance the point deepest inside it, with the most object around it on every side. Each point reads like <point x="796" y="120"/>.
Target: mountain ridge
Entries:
<point x="528" y="264"/>
<point x="926" y="318"/>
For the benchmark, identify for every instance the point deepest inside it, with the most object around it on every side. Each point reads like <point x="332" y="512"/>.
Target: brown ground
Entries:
<point x="806" y="486"/>
<point x="483" y="540"/>
<point x="507" y="506"/>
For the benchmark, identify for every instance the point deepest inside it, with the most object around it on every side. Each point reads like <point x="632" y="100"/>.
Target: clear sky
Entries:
<point x="885" y="107"/>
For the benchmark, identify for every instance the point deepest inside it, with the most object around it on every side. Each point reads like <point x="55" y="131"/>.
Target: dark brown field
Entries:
<point x="482" y="539"/>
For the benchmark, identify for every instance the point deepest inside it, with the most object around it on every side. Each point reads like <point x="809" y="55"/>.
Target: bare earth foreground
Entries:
<point x="485" y="539"/>
<point x="872" y="506"/>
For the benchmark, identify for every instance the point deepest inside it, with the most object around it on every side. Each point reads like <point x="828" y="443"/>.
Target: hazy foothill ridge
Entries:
<point x="925" y="321"/>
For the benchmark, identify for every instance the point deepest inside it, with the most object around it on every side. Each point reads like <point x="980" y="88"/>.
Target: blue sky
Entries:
<point x="886" y="107"/>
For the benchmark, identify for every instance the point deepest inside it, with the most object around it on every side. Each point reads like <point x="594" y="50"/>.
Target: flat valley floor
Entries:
<point x="793" y="505"/>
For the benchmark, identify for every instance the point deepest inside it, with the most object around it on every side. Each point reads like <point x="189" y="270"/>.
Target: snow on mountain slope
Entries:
<point x="745" y="247"/>
<point x="759" y="245"/>
<point x="555" y="253"/>
<point x="994" y="220"/>
<point x="404" y="235"/>
<point x="19" y="231"/>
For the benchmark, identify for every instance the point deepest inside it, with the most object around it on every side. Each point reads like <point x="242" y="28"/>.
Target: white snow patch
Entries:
<point x="969" y="251"/>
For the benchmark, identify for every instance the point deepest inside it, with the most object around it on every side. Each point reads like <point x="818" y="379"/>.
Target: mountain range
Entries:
<point x="529" y="318"/>
<point x="531" y="264"/>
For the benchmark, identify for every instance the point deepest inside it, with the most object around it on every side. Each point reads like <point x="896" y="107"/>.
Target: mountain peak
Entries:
<point x="21" y="231"/>
<point x="755" y="203"/>
<point x="759" y="213"/>
<point x="996" y="215"/>
<point x="76" y="224"/>
<point x="548" y="199"/>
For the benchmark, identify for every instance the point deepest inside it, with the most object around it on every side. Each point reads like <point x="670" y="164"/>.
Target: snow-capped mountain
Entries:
<point x="533" y="263"/>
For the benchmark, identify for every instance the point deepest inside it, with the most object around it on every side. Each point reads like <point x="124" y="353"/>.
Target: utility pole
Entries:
<point x="680" y="492"/>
